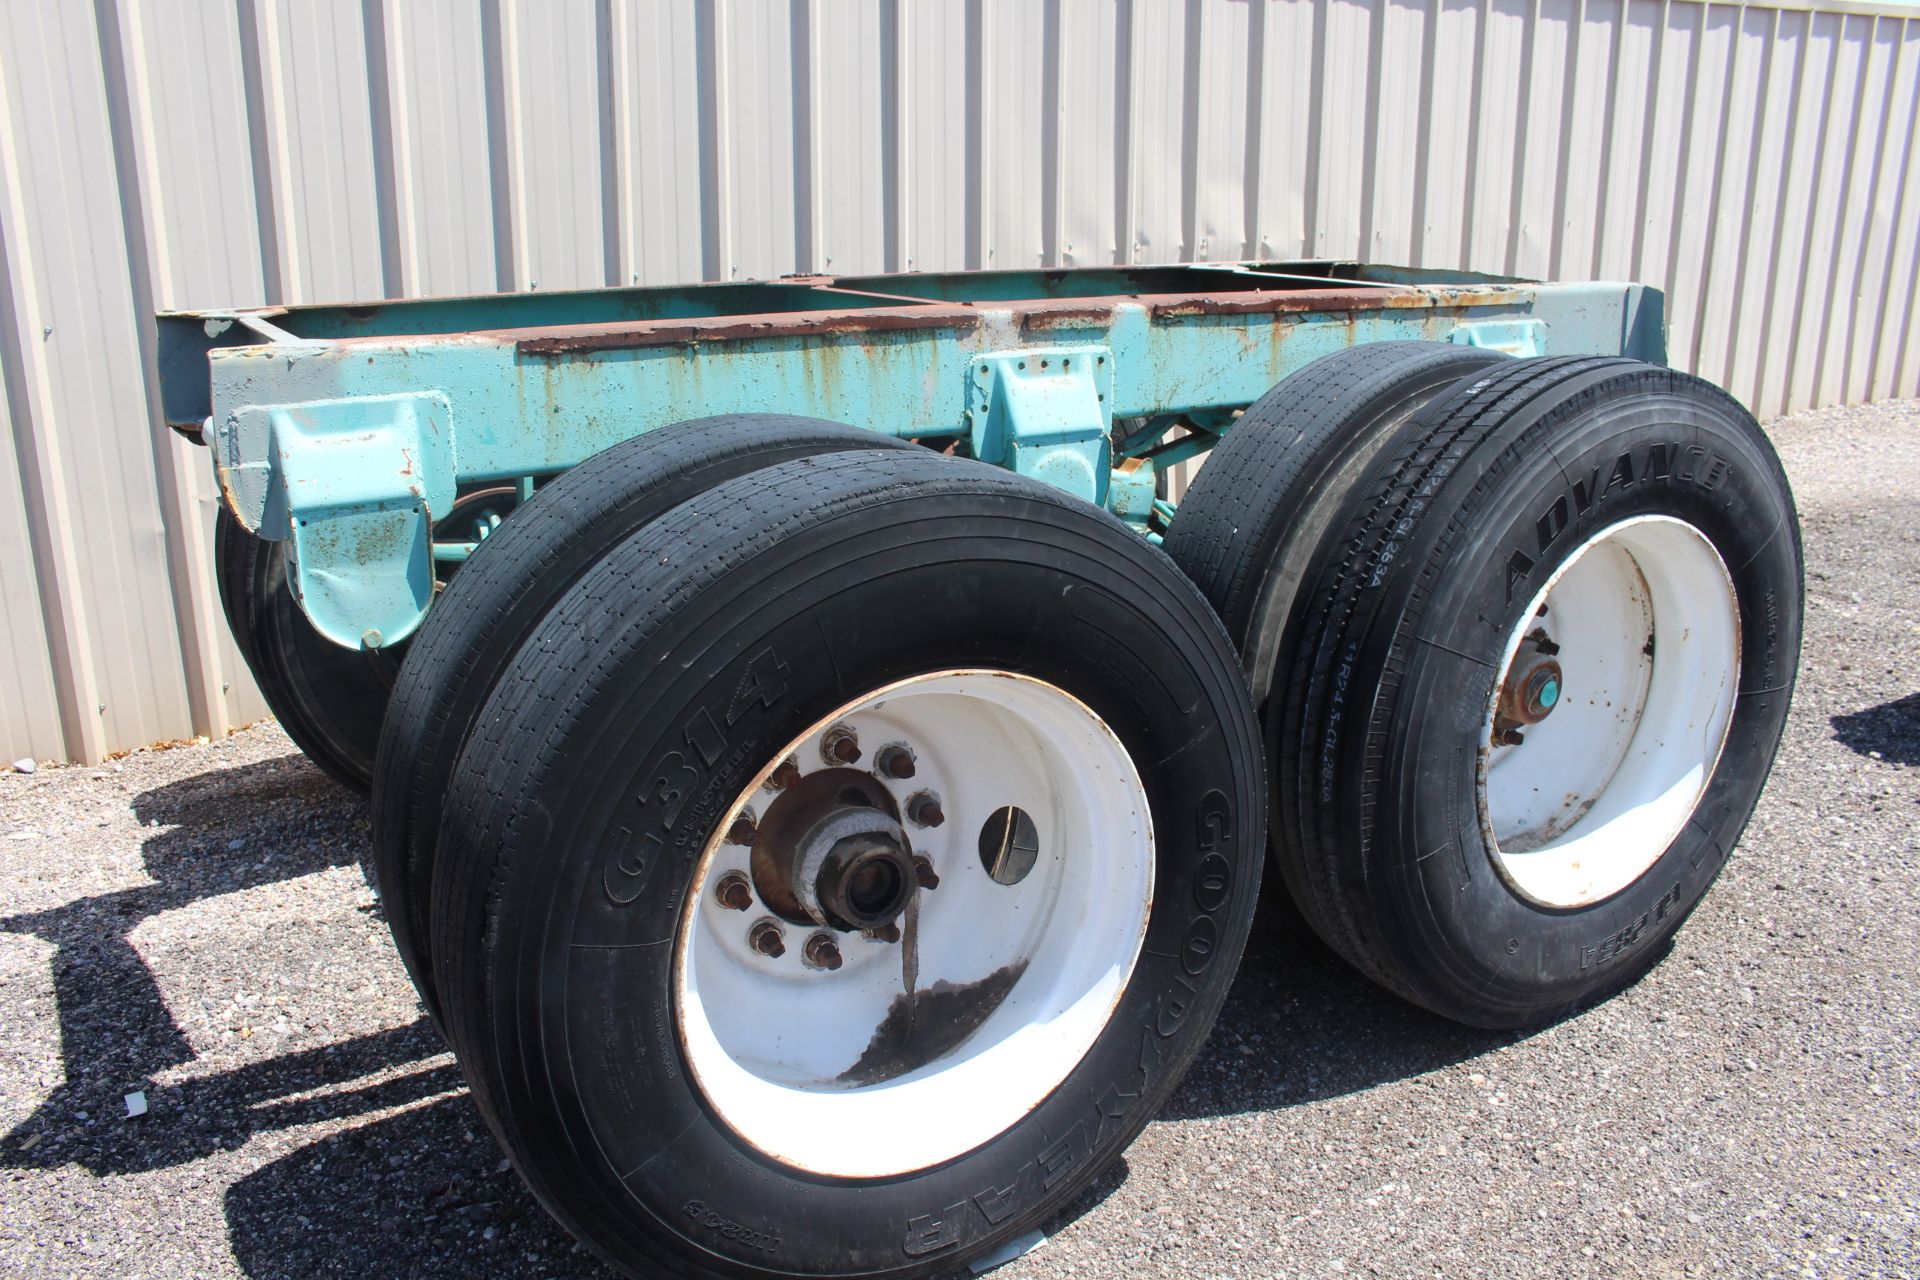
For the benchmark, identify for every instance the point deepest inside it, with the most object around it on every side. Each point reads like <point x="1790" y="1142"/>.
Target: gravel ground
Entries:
<point x="191" y="923"/>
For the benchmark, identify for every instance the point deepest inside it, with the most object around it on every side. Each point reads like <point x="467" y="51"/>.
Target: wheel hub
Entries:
<point x="831" y="852"/>
<point x="857" y="880"/>
<point x="1532" y="689"/>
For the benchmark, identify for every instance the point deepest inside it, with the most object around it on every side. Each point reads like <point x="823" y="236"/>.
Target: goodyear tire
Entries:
<point x="329" y="699"/>
<point x="1544" y="666"/>
<point x="500" y="595"/>
<point x="826" y="646"/>
<point x="1250" y="524"/>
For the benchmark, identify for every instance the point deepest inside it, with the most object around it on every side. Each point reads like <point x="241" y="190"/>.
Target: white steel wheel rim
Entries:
<point x="1647" y="627"/>
<point x="768" y="1040"/>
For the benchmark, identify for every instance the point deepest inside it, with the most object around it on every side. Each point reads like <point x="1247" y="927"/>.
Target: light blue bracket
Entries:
<point x="1526" y="337"/>
<point x="1045" y="413"/>
<point x="355" y="483"/>
<point x="1130" y="491"/>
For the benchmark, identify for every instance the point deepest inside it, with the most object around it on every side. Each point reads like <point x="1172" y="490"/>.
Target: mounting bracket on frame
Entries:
<point x="355" y="484"/>
<point x="1046" y="413"/>
<point x="1522" y="337"/>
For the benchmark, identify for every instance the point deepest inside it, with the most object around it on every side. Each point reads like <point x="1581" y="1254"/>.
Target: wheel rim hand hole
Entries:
<point x="1009" y="845"/>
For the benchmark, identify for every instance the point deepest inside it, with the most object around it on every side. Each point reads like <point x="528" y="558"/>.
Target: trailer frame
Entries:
<point x="352" y="430"/>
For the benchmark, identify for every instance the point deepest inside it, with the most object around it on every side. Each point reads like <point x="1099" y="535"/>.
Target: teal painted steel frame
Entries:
<point x="350" y="430"/>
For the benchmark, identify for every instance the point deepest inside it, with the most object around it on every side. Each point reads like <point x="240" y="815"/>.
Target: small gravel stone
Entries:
<point x="196" y="930"/>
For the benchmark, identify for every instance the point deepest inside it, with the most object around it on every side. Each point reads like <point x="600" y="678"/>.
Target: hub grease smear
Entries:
<point x="928" y="1023"/>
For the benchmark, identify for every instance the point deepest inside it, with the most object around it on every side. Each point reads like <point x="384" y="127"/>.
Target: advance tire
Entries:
<point x="499" y="596"/>
<point x="328" y="698"/>
<point x="1249" y="526"/>
<point x="608" y="766"/>
<point x="1398" y="838"/>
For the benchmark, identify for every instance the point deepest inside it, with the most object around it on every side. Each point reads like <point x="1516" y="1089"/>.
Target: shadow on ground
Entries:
<point x="224" y="831"/>
<point x="1301" y="1026"/>
<point x="425" y="1192"/>
<point x="1891" y="730"/>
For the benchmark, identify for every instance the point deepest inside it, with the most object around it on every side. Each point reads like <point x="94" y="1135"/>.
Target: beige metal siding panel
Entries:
<point x="443" y="167"/>
<point x="1016" y="72"/>
<point x="1880" y="218"/>
<point x="42" y="538"/>
<point x="1632" y="84"/>
<point x="1157" y="73"/>
<point x="29" y="698"/>
<point x="1448" y="112"/>
<point x="1670" y="112"/>
<point x="1398" y="114"/>
<point x="1713" y="348"/>
<point x="1757" y="207"/>
<point x="1833" y="58"/>
<point x="1543" y="150"/>
<point x="318" y="123"/>
<point x="938" y="136"/>
<point x="1780" y="311"/>
<point x="198" y="620"/>
<point x="1338" y="209"/>
<point x="663" y="212"/>
<point x="1857" y="290"/>
<point x="196" y="153"/>
<point x="1755" y="161"/>
<point x="1587" y="138"/>
<point x="1711" y="55"/>
<point x="1216" y="100"/>
<point x="88" y="405"/>
<point x="1902" y="275"/>
<point x="1504" y="60"/>
<point x="851" y="107"/>
<point x="1849" y="204"/>
<point x="555" y="81"/>
<point x="1287" y="118"/>
<point x="1085" y="229"/>
<point x="762" y="153"/>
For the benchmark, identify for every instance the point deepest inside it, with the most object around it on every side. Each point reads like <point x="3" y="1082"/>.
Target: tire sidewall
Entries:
<point x="599" y="892"/>
<point x="1647" y="444"/>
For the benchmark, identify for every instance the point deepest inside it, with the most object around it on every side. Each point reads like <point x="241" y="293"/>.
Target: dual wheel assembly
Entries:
<point x="824" y="856"/>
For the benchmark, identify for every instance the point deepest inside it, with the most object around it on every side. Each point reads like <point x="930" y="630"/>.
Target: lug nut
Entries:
<point x="786" y="774"/>
<point x="923" y="810"/>
<point x="888" y="932"/>
<point x="840" y="745"/>
<point x="765" y="937"/>
<point x="923" y="872"/>
<point x="742" y="830"/>
<point x="733" y="891"/>
<point x="821" y="952"/>
<point x="895" y="761"/>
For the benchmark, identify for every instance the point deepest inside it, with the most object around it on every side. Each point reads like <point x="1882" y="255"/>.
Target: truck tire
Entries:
<point x="668" y="975"/>
<point x="500" y="595"/>
<point x="328" y="698"/>
<point x="1254" y="516"/>
<point x="1491" y="798"/>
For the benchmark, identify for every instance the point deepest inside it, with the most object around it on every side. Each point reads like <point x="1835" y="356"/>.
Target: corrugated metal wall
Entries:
<point x="1756" y="161"/>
